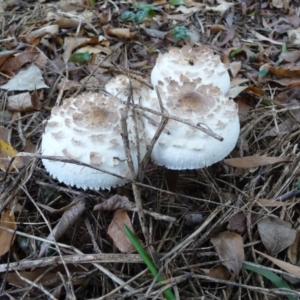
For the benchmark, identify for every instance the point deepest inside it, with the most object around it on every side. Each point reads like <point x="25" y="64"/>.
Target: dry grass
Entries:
<point x="180" y="250"/>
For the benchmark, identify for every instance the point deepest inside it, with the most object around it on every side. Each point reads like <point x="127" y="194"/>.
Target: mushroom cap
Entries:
<point x="87" y="129"/>
<point x="181" y="146"/>
<point x="194" y="63"/>
<point x="119" y="86"/>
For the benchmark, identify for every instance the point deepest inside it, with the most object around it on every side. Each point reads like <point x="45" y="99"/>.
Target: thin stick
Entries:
<point x="200" y="126"/>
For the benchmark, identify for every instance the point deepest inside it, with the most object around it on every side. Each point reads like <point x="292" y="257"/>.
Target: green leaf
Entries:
<point x="128" y="15"/>
<point x="263" y="72"/>
<point x="176" y="2"/>
<point x="81" y="58"/>
<point x="278" y="281"/>
<point x="144" y="7"/>
<point x="266" y="102"/>
<point x="180" y="33"/>
<point x="140" y="16"/>
<point x="235" y="52"/>
<point x="283" y="48"/>
<point x="146" y="258"/>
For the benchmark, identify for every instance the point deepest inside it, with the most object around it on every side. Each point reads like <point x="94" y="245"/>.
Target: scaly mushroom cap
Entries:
<point x="119" y="86"/>
<point x="194" y="63"/>
<point x="87" y="129"/>
<point x="181" y="146"/>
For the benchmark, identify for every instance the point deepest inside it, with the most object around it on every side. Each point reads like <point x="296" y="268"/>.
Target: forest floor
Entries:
<point x="230" y="231"/>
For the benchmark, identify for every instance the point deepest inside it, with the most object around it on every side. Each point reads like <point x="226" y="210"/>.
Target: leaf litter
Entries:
<point x="65" y="47"/>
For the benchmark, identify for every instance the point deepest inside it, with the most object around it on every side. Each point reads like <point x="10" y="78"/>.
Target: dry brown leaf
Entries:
<point x="219" y="272"/>
<point x="5" y="55"/>
<point x="255" y="90"/>
<point x="69" y="218"/>
<point x="255" y="161"/>
<point x="238" y="223"/>
<point x="123" y="33"/>
<point x="48" y="279"/>
<point x="117" y="233"/>
<point x="115" y="202"/>
<point x="16" y="62"/>
<point x="290" y="56"/>
<point x="230" y="249"/>
<point x="276" y="234"/>
<point x="264" y="38"/>
<point x="6" y="238"/>
<point x="23" y="102"/>
<point x="34" y="36"/>
<point x="69" y="46"/>
<point x="293" y="250"/>
<point x="235" y="67"/>
<point x="66" y="23"/>
<point x="222" y="7"/>
<point x="294" y="270"/>
<point x="284" y="72"/>
<point x="230" y="33"/>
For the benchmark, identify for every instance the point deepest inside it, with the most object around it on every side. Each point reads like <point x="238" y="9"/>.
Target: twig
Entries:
<point x="36" y="285"/>
<point x="200" y="126"/>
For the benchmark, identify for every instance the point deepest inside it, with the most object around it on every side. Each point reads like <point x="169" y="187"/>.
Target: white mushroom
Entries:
<point x="181" y="146"/>
<point x="119" y="86"/>
<point x="87" y="129"/>
<point x="193" y="63"/>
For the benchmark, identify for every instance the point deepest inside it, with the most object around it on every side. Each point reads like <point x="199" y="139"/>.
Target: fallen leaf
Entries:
<point x="238" y="223"/>
<point x="123" y="33"/>
<point x="255" y="161"/>
<point x="293" y="250"/>
<point x="285" y="72"/>
<point x="294" y="270"/>
<point x="34" y="36"/>
<point x="235" y="67"/>
<point x="117" y="233"/>
<point x="6" y="238"/>
<point x="29" y="79"/>
<point x="16" y="62"/>
<point x="294" y="36"/>
<point x="23" y="102"/>
<point x="222" y="7"/>
<point x="47" y="279"/>
<point x="115" y="202"/>
<point x="69" y="218"/>
<point x="7" y="152"/>
<point x="290" y="56"/>
<point x="5" y="55"/>
<point x="264" y="38"/>
<point x="230" y="249"/>
<point x="219" y="272"/>
<point x="276" y="234"/>
<point x="255" y="90"/>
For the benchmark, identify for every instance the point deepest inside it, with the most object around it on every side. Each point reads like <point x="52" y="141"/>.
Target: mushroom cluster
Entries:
<point x="192" y="84"/>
